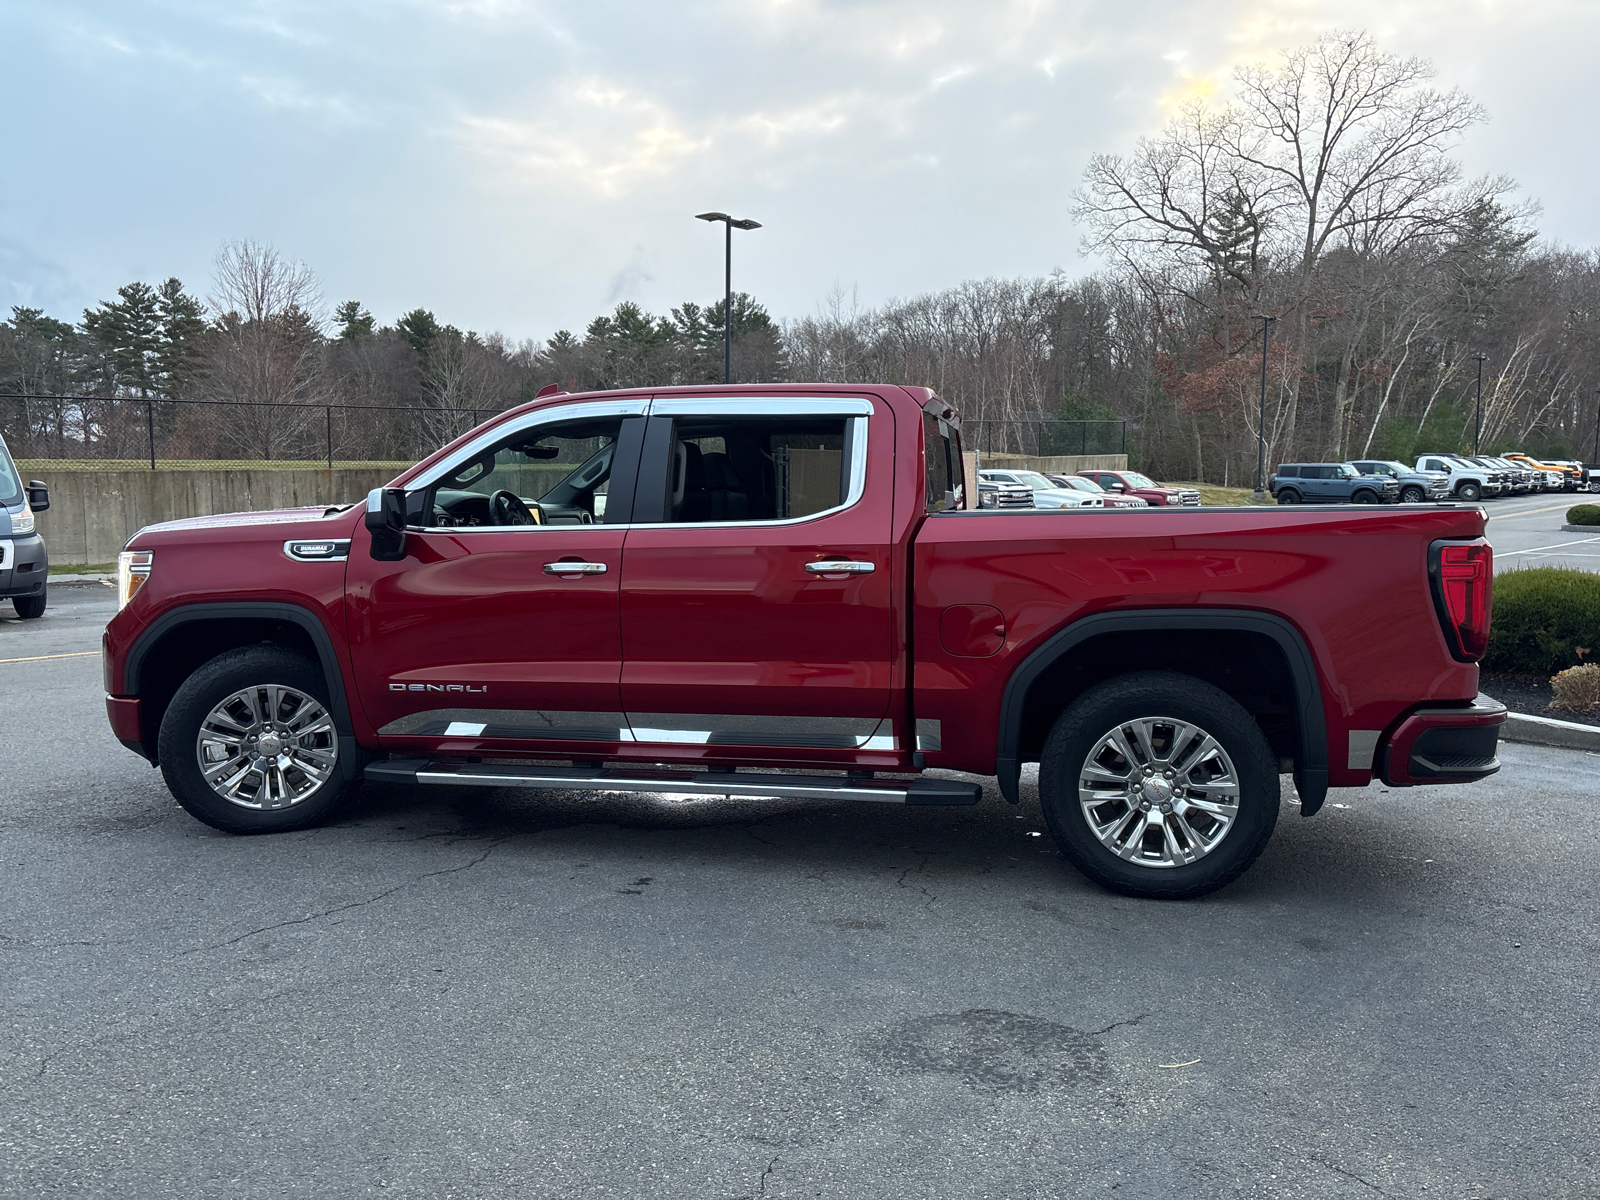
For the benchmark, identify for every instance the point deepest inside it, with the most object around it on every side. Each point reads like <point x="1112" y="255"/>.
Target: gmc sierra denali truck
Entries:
<point x="783" y="591"/>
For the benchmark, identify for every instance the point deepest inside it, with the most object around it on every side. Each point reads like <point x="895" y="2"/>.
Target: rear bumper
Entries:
<point x="1444" y="745"/>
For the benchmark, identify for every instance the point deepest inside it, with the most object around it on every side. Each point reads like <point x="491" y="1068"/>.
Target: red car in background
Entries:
<point x="1131" y="483"/>
<point x="1107" y="499"/>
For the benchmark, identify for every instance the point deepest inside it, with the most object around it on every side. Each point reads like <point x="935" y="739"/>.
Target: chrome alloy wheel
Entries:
<point x="1159" y="792"/>
<point x="267" y="747"/>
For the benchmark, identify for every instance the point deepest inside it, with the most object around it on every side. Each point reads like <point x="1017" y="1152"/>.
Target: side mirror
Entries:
<point x="386" y="521"/>
<point x="38" y="496"/>
<point x="1118" y="487"/>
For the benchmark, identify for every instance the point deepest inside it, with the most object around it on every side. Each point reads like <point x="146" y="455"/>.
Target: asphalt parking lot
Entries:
<point x="1526" y="532"/>
<point x="514" y="994"/>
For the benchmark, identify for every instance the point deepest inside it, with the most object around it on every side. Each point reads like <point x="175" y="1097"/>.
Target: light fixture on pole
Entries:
<point x="1260" y="496"/>
<point x="1477" y="424"/>
<point x="729" y="224"/>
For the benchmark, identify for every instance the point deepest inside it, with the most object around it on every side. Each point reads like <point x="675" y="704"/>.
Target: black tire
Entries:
<point x="1364" y="496"/>
<point x="235" y="671"/>
<point x="1470" y="492"/>
<point x="30" y="607"/>
<point x="1288" y="496"/>
<point x="1181" y="698"/>
<point x="1412" y="495"/>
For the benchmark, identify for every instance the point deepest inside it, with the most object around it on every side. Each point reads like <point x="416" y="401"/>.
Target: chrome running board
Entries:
<point x="714" y="783"/>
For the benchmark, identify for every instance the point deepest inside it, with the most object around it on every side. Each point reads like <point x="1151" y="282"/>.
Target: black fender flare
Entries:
<point x="302" y="618"/>
<point x="1311" y="767"/>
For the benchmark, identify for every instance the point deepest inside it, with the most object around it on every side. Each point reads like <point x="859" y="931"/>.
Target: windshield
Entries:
<point x="1346" y="471"/>
<point x="1140" y="481"/>
<point x="1034" y="480"/>
<point x="1084" y="485"/>
<point x="10" y="485"/>
<point x="1392" y="468"/>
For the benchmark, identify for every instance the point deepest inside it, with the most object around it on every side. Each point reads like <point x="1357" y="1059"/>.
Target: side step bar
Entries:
<point x="723" y="783"/>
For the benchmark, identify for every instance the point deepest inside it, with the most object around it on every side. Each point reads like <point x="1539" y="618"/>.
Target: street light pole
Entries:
<point x="1477" y="426"/>
<point x="730" y="224"/>
<point x="1596" y="458"/>
<point x="1260" y="496"/>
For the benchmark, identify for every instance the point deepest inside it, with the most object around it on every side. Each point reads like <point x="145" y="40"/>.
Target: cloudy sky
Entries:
<point x="521" y="165"/>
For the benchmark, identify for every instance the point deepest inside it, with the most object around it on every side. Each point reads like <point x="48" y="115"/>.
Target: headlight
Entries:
<point x="133" y="568"/>
<point x="22" y="522"/>
<point x="988" y="500"/>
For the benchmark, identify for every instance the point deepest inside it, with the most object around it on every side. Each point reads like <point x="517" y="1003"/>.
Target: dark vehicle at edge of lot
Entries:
<point x="24" y="562"/>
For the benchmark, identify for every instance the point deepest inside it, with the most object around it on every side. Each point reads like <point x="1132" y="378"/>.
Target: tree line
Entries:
<point x="1318" y="229"/>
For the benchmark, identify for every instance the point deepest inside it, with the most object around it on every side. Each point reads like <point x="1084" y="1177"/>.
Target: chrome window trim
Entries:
<point x="757" y="406"/>
<point x="857" y="411"/>
<point x="543" y="416"/>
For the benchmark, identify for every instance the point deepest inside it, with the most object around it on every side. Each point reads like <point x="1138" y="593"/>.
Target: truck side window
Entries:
<point x="756" y="468"/>
<point x="560" y="472"/>
<point x="945" y="476"/>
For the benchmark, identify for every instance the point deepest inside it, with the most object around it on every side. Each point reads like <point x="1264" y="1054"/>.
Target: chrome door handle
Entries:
<point x="842" y="566"/>
<point x="574" y="568"/>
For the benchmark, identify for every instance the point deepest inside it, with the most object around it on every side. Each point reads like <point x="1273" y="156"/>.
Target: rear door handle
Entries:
<point x="574" y="568"/>
<point x="842" y="566"/>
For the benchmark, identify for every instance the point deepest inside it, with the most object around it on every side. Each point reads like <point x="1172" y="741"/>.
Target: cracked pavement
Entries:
<point x="493" y="993"/>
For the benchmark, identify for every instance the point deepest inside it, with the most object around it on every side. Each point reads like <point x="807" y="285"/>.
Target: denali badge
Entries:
<point x="438" y="687"/>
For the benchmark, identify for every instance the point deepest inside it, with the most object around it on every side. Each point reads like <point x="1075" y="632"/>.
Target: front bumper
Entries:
<point x="127" y="723"/>
<point x="1444" y="745"/>
<point x="24" y="565"/>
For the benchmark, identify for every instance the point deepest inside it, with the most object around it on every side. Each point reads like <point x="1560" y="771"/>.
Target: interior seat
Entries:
<point x="725" y="493"/>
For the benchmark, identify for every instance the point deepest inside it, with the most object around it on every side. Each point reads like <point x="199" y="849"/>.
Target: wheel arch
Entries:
<point x="184" y="638"/>
<point x="1076" y="657"/>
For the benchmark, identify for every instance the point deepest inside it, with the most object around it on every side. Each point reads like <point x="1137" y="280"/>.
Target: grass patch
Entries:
<point x="109" y="568"/>
<point x="1212" y="494"/>
<point x="1543" y="618"/>
<point x="35" y="465"/>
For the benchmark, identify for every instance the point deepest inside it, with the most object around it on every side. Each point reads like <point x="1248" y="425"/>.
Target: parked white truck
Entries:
<point x="1468" y="481"/>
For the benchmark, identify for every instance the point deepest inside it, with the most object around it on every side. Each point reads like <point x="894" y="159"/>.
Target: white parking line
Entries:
<point x="1528" y="512"/>
<point x="1556" y="546"/>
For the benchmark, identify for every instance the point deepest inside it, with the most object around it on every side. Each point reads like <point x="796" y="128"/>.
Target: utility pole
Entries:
<point x="730" y="224"/>
<point x="1260" y="496"/>
<point x="1477" y="426"/>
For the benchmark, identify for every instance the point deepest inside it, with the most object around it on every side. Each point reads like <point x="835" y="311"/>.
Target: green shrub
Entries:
<point x="1584" y="514"/>
<point x="1543" y="617"/>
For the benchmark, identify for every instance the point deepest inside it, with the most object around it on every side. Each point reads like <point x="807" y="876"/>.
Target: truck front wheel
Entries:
<point x="1470" y="492"/>
<point x="1159" y="785"/>
<point x="248" y="744"/>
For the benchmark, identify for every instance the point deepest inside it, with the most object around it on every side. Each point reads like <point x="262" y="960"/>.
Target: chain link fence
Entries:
<point x="127" y="433"/>
<point x="1044" y="436"/>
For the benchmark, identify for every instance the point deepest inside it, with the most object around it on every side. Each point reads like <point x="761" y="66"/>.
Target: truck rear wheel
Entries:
<point x="248" y="744"/>
<point x="1159" y="785"/>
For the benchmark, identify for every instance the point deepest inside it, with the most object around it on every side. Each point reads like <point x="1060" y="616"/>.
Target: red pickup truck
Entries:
<point x="783" y="591"/>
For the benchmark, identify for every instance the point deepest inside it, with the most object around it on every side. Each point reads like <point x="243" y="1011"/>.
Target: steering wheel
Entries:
<point x="508" y="508"/>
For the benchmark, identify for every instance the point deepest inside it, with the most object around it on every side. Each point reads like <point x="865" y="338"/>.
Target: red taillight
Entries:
<point x="1463" y="580"/>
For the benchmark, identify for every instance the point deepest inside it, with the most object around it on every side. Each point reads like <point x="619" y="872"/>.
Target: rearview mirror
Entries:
<point x="386" y="521"/>
<point x="38" y="496"/>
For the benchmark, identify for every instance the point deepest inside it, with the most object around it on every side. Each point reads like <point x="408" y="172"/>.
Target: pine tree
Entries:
<point x="354" y="322"/>
<point x="128" y="330"/>
<point x="180" y="352"/>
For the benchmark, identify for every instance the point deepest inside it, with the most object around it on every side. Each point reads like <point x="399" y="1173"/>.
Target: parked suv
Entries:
<point x="24" y="565"/>
<point x="1331" y="483"/>
<point x="1416" y="487"/>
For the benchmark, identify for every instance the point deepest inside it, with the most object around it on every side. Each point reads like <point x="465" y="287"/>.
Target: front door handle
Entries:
<point x="574" y="568"/>
<point x="841" y="566"/>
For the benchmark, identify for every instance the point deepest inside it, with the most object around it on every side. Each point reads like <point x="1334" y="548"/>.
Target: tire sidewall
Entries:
<point x="1159" y="694"/>
<point x="1288" y="496"/>
<point x="1470" y="492"/>
<point x="1413" y="495"/>
<point x="194" y="700"/>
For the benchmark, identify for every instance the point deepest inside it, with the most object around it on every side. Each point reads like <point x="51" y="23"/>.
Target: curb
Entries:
<point x="1595" y="529"/>
<point x="1546" y="731"/>
<point x="100" y="578"/>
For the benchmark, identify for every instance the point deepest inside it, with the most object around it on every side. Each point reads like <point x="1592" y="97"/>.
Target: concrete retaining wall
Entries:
<point x="1058" y="464"/>
<point x="93" y="513"/>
